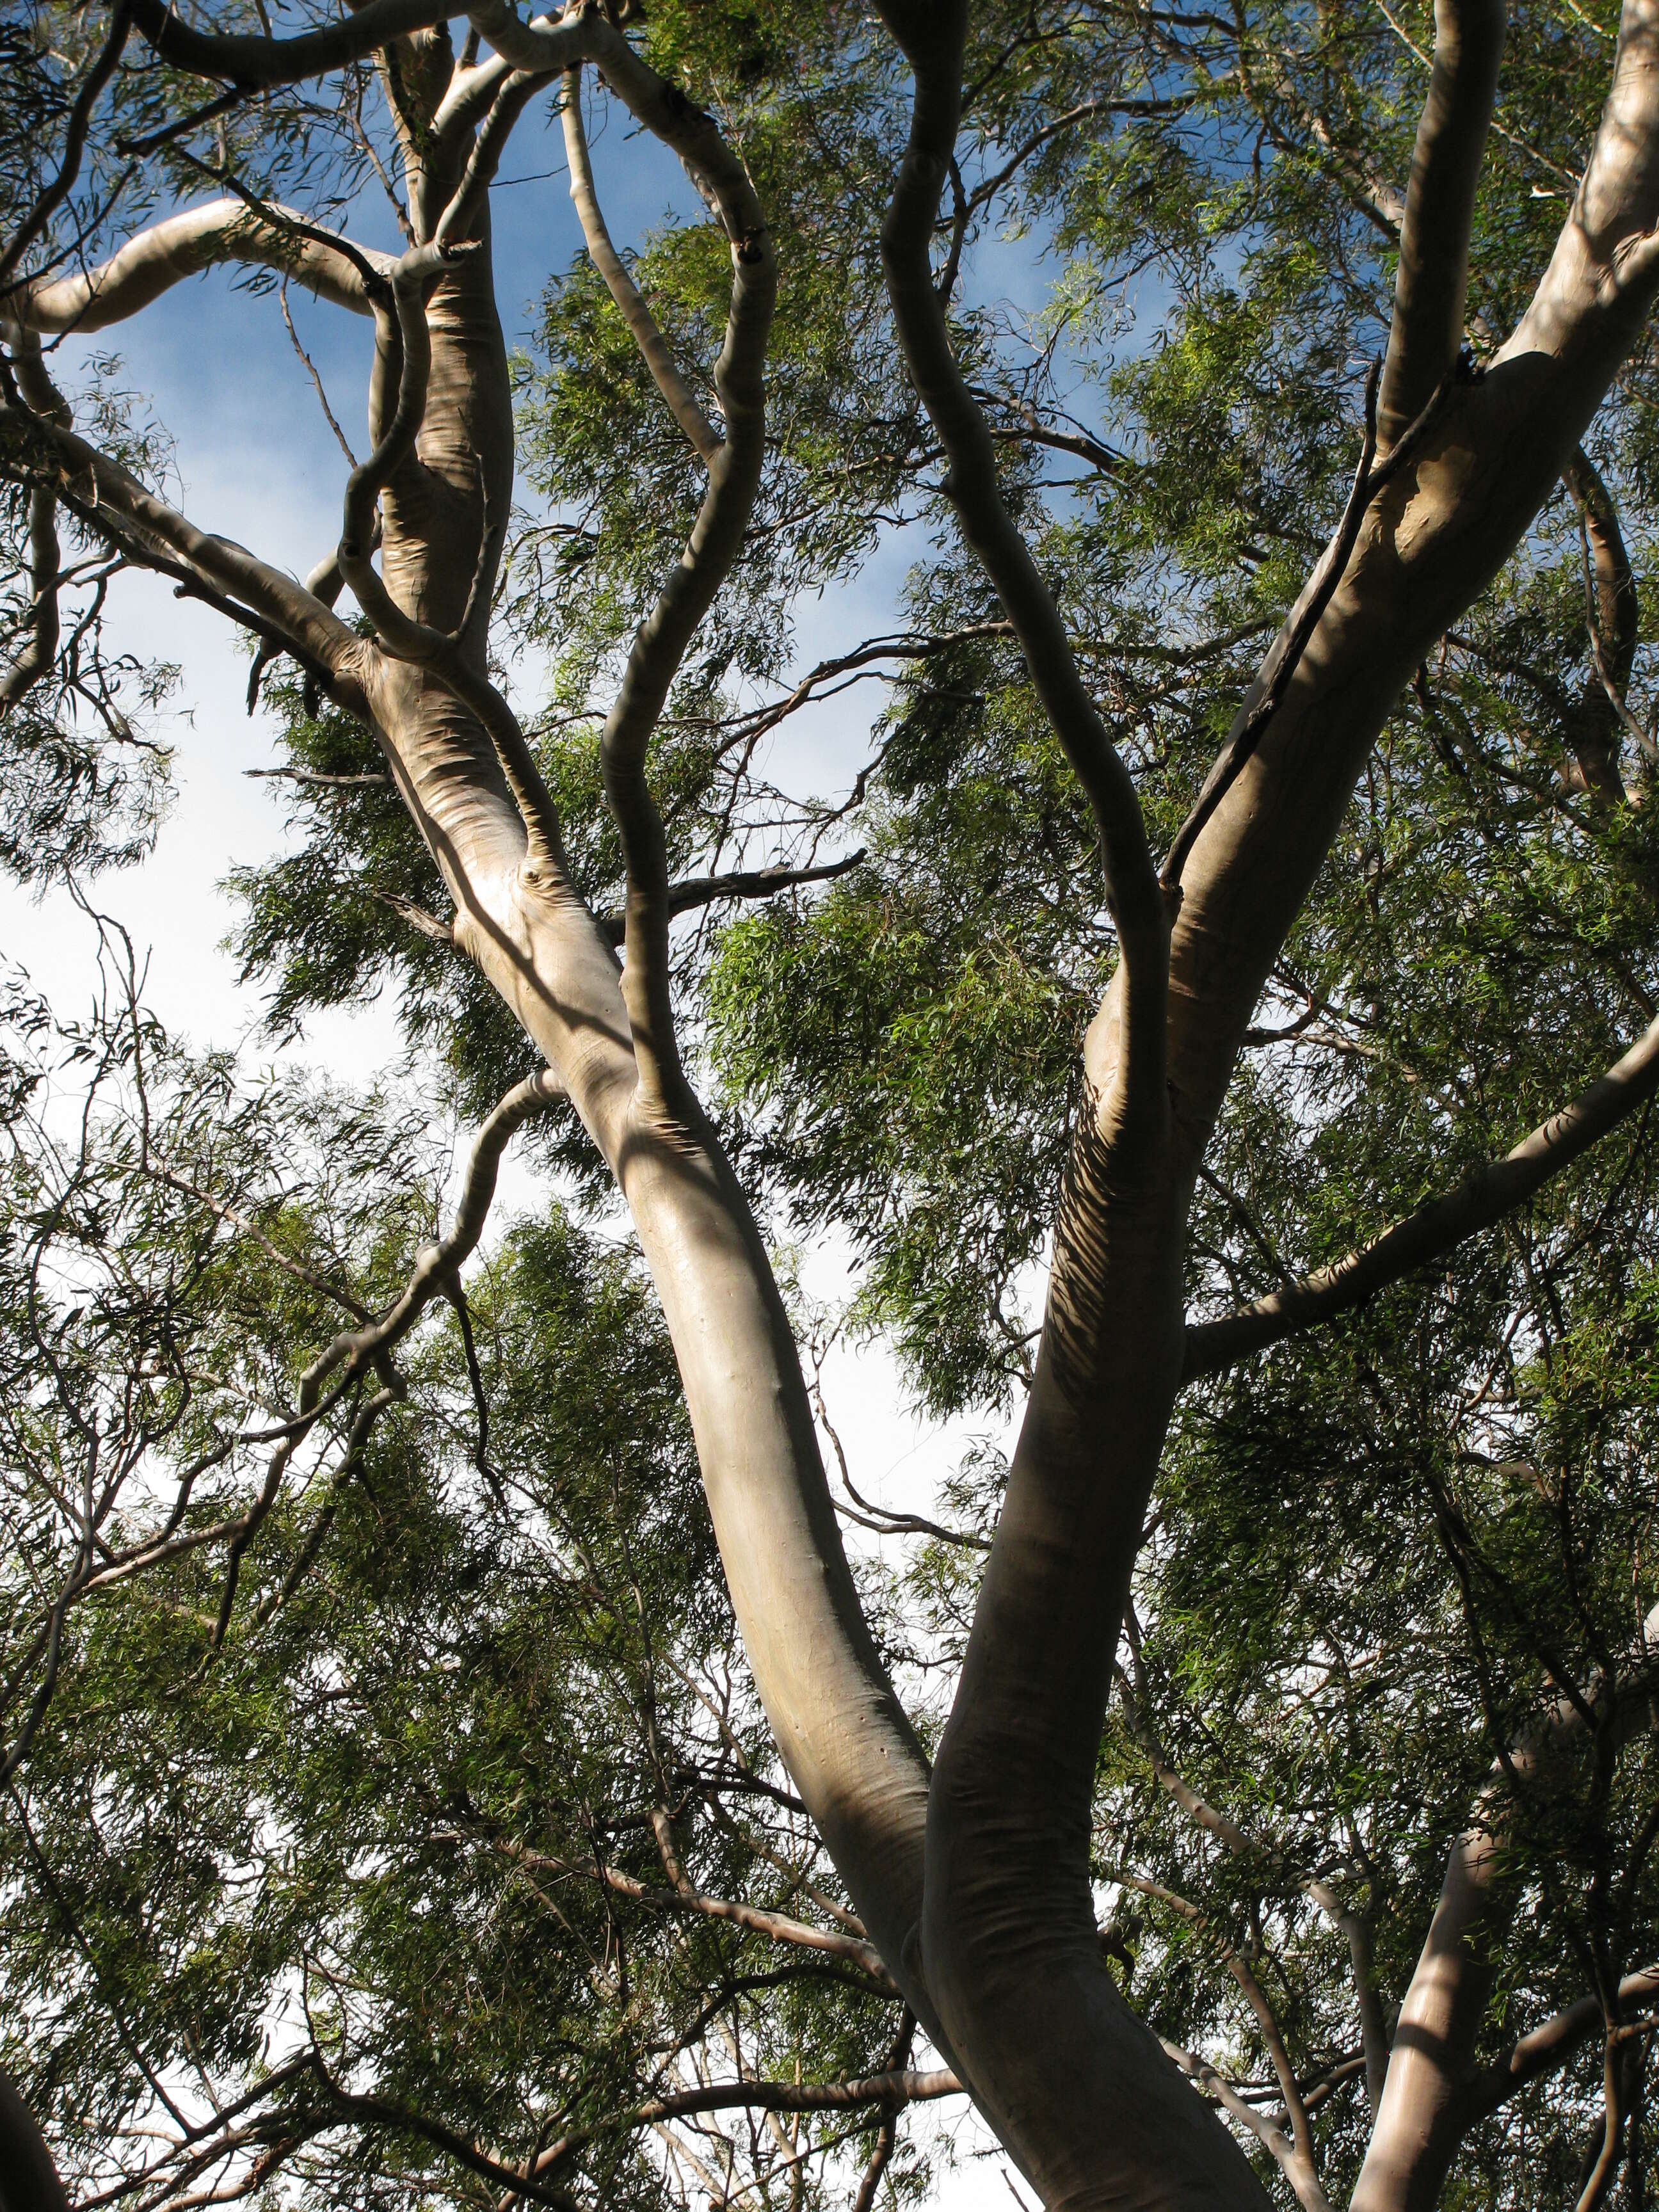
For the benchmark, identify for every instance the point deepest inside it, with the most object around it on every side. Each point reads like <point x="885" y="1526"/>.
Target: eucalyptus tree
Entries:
<point x="1340" y="1880"/>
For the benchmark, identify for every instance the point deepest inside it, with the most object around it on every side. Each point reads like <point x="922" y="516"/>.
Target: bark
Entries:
<point x="1433" y="274"/>
<point x="1602" y="716"/>
<point x="1079" y="2090"/>
<point x="183" y="245"/>
<point x="642" y="323"/>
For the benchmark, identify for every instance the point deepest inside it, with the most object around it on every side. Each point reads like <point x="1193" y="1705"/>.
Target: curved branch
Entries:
<point x="777" y="1926"/>
<point x="184" y="245"/>
<point x="1271" y="2138"/>
<point x="388" y="2112"/>
<point x="1425" y="2111"/>
<point x="1267" y="693"/>
<point x="653" y="347"/>
<point x="401" y="634"/>
<point x="1437" y="1227"/>
<point x="1612" y="614"/>
<point x="33" y="449"/>
<point x="1433" y="274"/>
<point x="661" y="642"/>
<point x="1299" y="2168"/>
<point x="41" y="649"/>
<point x="511" y="98"/>
<point x="903" y="2086"/>
<point x="438" y="1266"/>
<point x="260" y="65"/>
<point x="1132" y="891"/>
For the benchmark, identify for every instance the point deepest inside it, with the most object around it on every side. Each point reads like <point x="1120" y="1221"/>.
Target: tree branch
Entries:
<point x="184" y="245"/>
<point x="35" y="450"/>
<point x="1299" y="2169"/>
<point x="1426" y="2109"/>
<point x="697" y="891"/>
<point x="777" y="1926"/>
<point x="74" y="140"/>
<point x="353" y="1351"/>
<point x="485" y="157"/>
<point x="661" y="642"/>
<point x="1267" y="693"/>
<point x="1132" y="891"/>
<point x="653" y="347"/>
<point x="1273" y="2139"/>
<point x="262" y="63"/>
<point x="38" y="654"/>
<point x="1437" y="1227"/>
<point x="1433" y="274"/>
<point x="903" y="2086"/>
<point x="401" y="634"/>
<point x="1548" y="2047"/>
<point x="1613" y="617"/>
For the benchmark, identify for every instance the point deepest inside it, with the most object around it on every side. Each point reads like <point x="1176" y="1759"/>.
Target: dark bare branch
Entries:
<point x="777" y="1926"/>
<point x="259" y="64"/>
<point x="1613" y="617"/>
<point x="697" y="891"/>
<point x="41" y="649"/>
<point x="903" y="2086"/>
<point x="1548" y="2047"/>
<point x="35" y="450"/>
<point x="1132" y="887"/>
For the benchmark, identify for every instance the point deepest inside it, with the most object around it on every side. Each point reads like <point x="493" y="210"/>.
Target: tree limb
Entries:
<point x="262" y="63"/>
<point x="1437" y="1227"/>
<point x="1132" y="886"/>
<point x="697" y="891"/>
<point x="648" y="336"/>
<point x="1425" y="2110"/>
<point x="1611" y="615"/>
<point x="38" y="654"/>
<point x="1548" y="2046"/>
<point x="1432" y="280"/>
<point x="1299" y="2169"/>
<point x="35" y="450"/>
<point x="1273" y="2139"/>
<point x="661" y="642"/>
<point x="904" y="2086"/>
<point x="777" y="1926"/>
<point x="184" y="245"/>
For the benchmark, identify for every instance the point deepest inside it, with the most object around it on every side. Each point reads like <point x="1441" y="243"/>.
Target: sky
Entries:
<point x="208" y="360"/>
